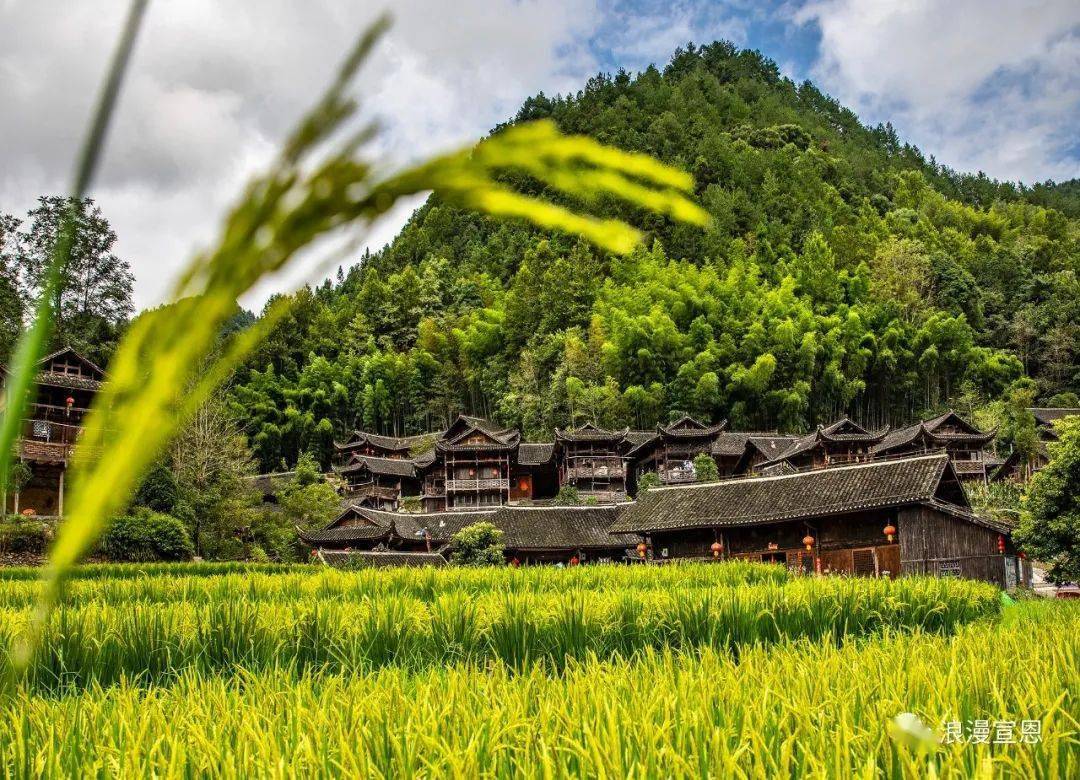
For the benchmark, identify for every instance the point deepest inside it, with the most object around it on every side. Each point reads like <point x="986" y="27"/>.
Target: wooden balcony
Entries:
<point x="45" y="451"/>
<point x="45" y="440"/>
<point x="369" y="490"/>
<point x="596" y="472"/>
<point x="965" y="467"/>
<point x="477" y="484"/>
<point x="677" y="476"/>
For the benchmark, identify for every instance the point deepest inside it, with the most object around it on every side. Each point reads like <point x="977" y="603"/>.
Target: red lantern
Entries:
<point x="575" y="561"/>
<point x="890" y="531"/>
<point x="808" y="540"/>
<point x="1001" y="543"/>
<point x="1023" y="555"/>
<point x="641" y="549"/>
<point x="70" y="402"/>
<point x="716" y="548"/>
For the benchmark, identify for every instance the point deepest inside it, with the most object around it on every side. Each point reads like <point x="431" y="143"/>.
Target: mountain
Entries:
<point x="845" y="272"/>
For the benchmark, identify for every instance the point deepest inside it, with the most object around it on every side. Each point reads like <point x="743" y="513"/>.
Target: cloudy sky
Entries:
<point x="990" y="85"/>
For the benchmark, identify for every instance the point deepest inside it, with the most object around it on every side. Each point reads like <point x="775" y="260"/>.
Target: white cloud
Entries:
<point x="982" y="84"/>
<point x="214" y="87"/>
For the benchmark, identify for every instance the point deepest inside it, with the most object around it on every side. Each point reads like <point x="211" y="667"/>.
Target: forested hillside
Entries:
<point x="844" y="272"/>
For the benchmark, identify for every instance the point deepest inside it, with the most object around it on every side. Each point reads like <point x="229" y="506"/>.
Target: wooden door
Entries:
<point x="864" y="562"/>
<point x="836" y="561"/>
<point x="888" y="557"/>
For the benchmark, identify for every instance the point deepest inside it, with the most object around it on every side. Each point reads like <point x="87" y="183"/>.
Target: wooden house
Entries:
<point x="594" y="461"/>
<point x="740" y="452"/>
<point x="965" y="444"/>
<point x="361" y="527"/>
<point x="380" y="482"/>
<point x="670" y="451"/>
<point x="842" y="442"/>
<point x="476" y="457"/>
<point x="1045" y="420"/>
<point x="533" y="474"/>
<point x="66" y="386"/>
<point x="884" y="518"/>
<point x="1013" y="467"/>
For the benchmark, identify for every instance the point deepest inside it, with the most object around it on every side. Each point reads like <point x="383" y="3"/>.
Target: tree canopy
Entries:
<point x="844" y="272"/>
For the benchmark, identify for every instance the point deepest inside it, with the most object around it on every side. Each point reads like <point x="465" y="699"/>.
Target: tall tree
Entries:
<point x="210" y="460"/>
<point x="93" y="300"/>
<point x="11" y="302"/>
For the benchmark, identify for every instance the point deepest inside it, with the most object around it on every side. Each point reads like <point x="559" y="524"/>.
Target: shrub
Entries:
<point x="647" y="480"/>
<point x="258" y="555"/>
<point x="158" y="490"/>
<point x="567" y="496"/>
<point x="147" y="536"/>
<point x="705" y="468"/>
<point x="480" y="544"/>
<point x="24" y="536"/>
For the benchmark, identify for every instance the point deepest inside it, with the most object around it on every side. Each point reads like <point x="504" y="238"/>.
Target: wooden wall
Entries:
<point x="938" y="544"/>
<point x="928" y="542"/>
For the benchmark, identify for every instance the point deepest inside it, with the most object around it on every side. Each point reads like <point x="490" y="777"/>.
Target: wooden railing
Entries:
<point x="670" y="476"/>
<point x="478" y="484"/>
<point x="603" y="496"/>
<point x="374" y="491"/>
<point x="596" y="472"/>
<point x="969" y="466"/>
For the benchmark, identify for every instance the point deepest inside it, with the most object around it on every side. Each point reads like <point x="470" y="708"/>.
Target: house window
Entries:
<point x="949" y="568"/>
<point x="862" y="562"/>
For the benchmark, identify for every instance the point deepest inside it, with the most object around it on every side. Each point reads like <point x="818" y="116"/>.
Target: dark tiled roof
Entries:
<point x="535" y="453"/>
<point x="590" y="432"/>
<point x="640" y="440"/>
<point x="270" y="484"/>
<point x="559" y="527"/>
<point x="465" y="424"/>
<point x="791" y="496"/>
<point x="440" y="525"/>
<point x="347" y="533"/>
<point x="371" y="558"/>
<point x="928" y="430"/>
<point x="1048" y="415"/>
<point x="394" y="467"/>
<point x="771" y="444"/>
<point x="730" y="443"/>
<point x="53" y="379"/>
<point x="391" y="443"/>
<point x="733" y="443"/>
<point x="425" y="459"/>
<point x="686" y="427"/>
<point x="843" y="430"/>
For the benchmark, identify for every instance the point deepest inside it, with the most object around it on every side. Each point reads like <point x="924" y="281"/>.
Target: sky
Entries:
<point x="214" y="86"/>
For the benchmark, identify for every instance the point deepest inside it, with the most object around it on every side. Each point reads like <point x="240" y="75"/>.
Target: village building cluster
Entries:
<point x="838" y="499"/>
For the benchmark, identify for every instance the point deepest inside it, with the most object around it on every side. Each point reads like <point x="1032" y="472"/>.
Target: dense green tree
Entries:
<point x="844" y="273"/>
<point x="479" y="544"/>
<point x="92" y="303"/>
<point x="705" y="468"/>
<point x="1049" y="529"/>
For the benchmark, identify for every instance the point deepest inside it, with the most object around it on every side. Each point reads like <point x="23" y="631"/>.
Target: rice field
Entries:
<point x="711" y="670"/>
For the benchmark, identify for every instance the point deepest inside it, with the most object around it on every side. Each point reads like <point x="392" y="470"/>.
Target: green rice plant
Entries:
<point x="150" y="631"/>
<point x="792" y="709"/>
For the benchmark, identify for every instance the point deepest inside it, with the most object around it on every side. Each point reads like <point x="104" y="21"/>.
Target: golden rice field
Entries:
<point x="707" y="671"/>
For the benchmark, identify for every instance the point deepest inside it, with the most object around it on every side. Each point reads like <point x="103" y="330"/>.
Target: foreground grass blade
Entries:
<point x="151" y="389"/>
